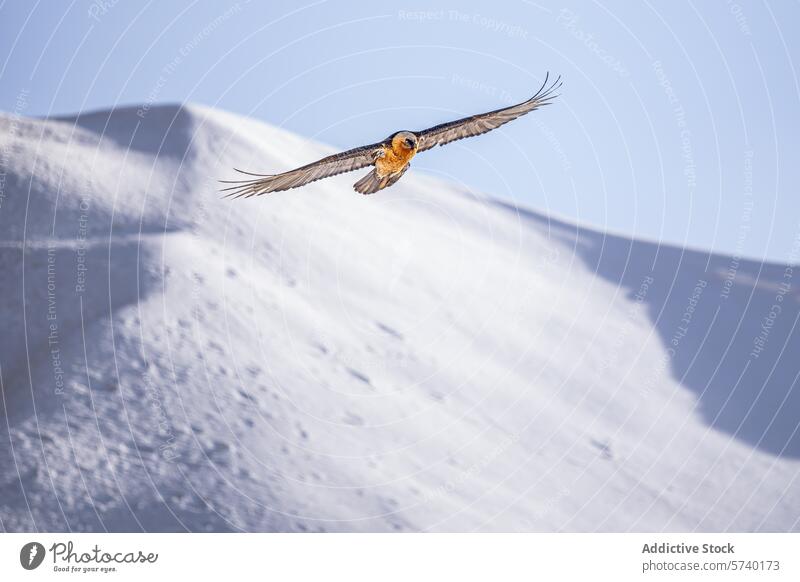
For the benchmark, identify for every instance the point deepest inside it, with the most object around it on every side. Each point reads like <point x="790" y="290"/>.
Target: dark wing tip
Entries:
<point x="239" y="192"/>
<point x="242" y="188"/>
<point x="547" y="93"/>
<point x="251" y="173"/>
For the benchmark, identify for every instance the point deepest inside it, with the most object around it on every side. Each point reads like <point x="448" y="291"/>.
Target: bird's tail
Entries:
<point x="371" y="183"/>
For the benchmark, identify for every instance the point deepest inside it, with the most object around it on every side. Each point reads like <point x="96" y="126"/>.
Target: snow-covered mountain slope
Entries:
<point x="420" y="359"/>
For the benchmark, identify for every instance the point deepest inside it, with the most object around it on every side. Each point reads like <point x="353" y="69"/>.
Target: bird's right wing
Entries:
<point x="330" y="166"/>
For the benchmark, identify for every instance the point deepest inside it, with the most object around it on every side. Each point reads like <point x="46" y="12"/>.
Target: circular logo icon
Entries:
<point x="31" y="555"/>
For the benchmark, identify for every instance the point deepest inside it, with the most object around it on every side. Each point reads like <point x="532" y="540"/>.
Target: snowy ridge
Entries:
<point x="421" y="359"/>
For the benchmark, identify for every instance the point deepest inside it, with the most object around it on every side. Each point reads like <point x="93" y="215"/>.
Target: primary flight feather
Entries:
<point x="391" y="157"/>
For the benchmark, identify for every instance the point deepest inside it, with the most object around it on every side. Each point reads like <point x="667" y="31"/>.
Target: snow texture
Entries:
<point x="423" y="359"/>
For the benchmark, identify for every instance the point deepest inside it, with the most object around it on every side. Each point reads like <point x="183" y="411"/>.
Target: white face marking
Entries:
<point x="406" y="139"/>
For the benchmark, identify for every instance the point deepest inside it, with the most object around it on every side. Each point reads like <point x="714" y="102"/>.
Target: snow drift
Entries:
<point x="315" y="360"/>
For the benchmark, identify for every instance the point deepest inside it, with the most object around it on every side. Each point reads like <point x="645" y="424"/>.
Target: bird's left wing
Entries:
<point x="330" y="166"/>
<point x="478" y="124"/>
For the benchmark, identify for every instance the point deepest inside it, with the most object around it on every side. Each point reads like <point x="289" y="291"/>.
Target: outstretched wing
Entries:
<point x="331" y="166"/>
<point x="478" y="124"/>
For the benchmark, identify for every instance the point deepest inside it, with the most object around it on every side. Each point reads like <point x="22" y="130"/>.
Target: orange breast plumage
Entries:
<point x="396" y="157"/>
<point x="393" y="161"/>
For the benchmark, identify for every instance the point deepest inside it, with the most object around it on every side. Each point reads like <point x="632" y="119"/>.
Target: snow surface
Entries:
<point x="421" y="359"/>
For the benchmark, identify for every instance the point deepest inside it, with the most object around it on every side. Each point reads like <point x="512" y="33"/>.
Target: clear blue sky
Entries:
<point x="677" y="121"/>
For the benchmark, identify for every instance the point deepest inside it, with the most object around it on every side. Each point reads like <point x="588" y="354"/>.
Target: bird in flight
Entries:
<point x="392" y="156"/>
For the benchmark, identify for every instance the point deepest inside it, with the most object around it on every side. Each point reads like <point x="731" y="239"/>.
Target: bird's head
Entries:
<point x="405" y="140"/>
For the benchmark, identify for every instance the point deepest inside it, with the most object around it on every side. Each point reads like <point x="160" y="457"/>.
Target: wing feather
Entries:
<point x="347" y="161"/>
<point x="485" y="122"/>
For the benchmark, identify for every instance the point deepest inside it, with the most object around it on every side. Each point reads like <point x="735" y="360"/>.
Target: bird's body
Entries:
<point x="397" y="154"/>
<point x="391" y="162"/>
<point x="390" y="157"/>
